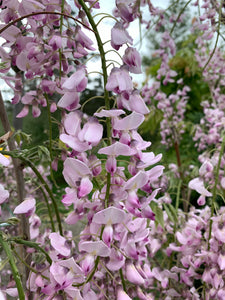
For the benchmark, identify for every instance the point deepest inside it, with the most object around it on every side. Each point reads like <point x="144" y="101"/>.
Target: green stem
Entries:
<point x="181" y="12"/>
<point x="42" y="13"/>
<point x="50" y="135"/>
<point x="61" y="27"/>
<point x="15" y="271"/>
<point x="105" y="77"/>
<point x="178" y="196"/>
<point x="122" y="279"/>
<point x="39" y="176"/>
<point x="32" y="245"/>
<point x="215" y="187"/>
<point x="49" y="208"/>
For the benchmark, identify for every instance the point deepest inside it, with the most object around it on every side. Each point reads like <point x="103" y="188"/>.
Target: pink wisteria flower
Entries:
<point x="132" y="59"/>
<point x="77" y="171"/>
<point x="119" y="36"/>
<point x="119" y="81"/>
<point x="197" y="184"/>
<point x="58" y="242"/>
<point x="27" y="207"/>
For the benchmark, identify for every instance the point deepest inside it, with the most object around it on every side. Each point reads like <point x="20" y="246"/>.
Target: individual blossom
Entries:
<point x="27" y="207"/>
<point x="119" y="36"/>
<point x="119" y="81"/>
<point x="198" y="185"/>
<point x="132" y="59"/>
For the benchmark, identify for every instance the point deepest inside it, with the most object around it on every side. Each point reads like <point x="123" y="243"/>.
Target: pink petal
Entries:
<point x="73" y="218"/>
<point x="22" y="62"/>
<point x="13" y="292"/>
<point x="11" y="33"/>
<point x="133" y="121"/>
<point x="109" y="113"/>
<point x="91" y="132"/>
<point x="119" y="36"/>
<point x="4" y="194"/>
<point x="133" y="275"/>
<point x="117" y="149"/>
<point x="74" y="143"/>
<point x="121" y="295"/>
<point x="110" y="215"/>
<point x="72" y="123"/>
<point x="59" y="244"/>
<point x="155" y="173"/>
<point x="98" y="248"/>
<point x="221" y="261"/>
<point x="88" y="263"/>
<point x="26" y="207"/>
<point x="111" y="165"/>
<point x="4" y="160"/>
<point x="85" y="187"/>
<point x="137" y="181"/>
<point x="71" y="265"/>
<point x="70" y="101"/>
<point x="137" y="103"/>
<point x="24" y="112"/>
<point x="107" y="235"/>
<point x="76" y="82"/>
<point x="198" y="185"/>
<point x="74" y="170"/>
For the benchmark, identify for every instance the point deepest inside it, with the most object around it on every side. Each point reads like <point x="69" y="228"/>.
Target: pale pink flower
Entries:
<point x="58" y="242"/>
<point x="132" y="59"/>
<point x="119" y="80"/>
<point x="119" y="36"/>
<point x="27" y="207"/>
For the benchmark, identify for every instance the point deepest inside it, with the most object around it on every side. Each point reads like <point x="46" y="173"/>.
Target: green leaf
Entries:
<point x="171" y="212"/>
<point x="152" y="121"/>
<point x="3" y="263"/>
<point x="21" y="136"/>
<point x="158" y="213"/>
<point x="43" y="152"/>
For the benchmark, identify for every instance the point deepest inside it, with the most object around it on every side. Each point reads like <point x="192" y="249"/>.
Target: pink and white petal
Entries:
<point x="72" y="123"/>
<point x="137" y="181"/>
<point x="85" y="187"/>
<point x="73" y="218"/>
<point x="197" y="184"/>
<point x="74" y="143"/>
<point x="58" y="242"/>
<point x="201" y="200"/>
<point x="73" y="170"/>
<point x="137" y="104"/>
<point x="71" y="265"/>
<point x="69" y="100"/>
<point x="24" y="112"/>
<point x="92" y="132"/>
<point x="117" y="149"/>
<point x="133" y="121"/>
<point x="4" y="160"/>
<point x="4" y="194"/>
<point x="133" y="275"/>
<point x="221" y="261"/>
<point x="110" y="215"/>
<point x="98" y="248"/>
<point x="26" y="207"/>
<point x="121" y="295"/>
<point x="109" y="113"/>
<point x="13" y="292"/>
<point x="155" y="172"/>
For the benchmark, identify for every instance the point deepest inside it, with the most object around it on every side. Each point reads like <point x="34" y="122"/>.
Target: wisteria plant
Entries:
<point x="116" y="231"/>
